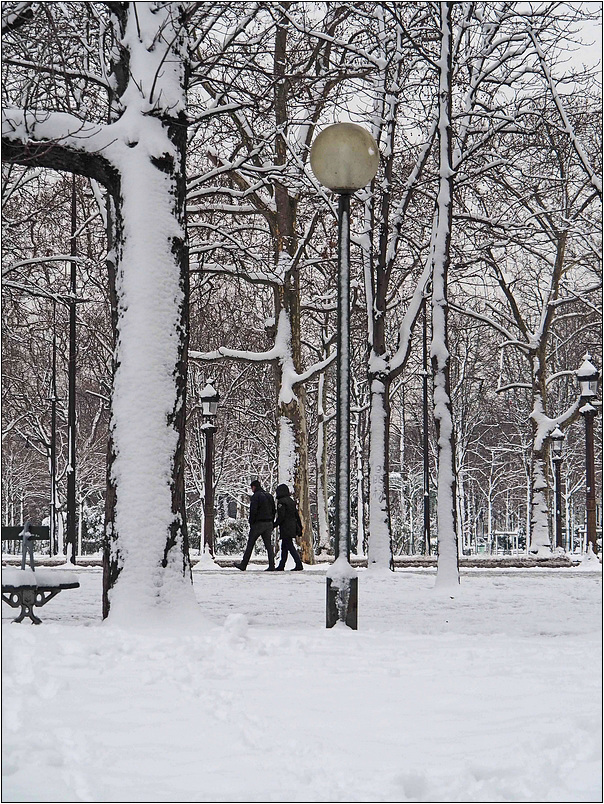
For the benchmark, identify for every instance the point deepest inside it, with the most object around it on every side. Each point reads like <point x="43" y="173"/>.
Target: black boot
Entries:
<point x="239" y="567"/>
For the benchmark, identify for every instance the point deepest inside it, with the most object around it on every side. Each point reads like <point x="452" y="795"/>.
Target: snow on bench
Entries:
<point x="29" y="587"/>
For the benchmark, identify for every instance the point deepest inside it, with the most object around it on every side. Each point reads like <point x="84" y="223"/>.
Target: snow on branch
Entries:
<point x="20" y="14"/>
<point x="595" y="180"/>
<point x="553" y="377"/>
<point x="514" y="386"/>
<point x="411" y="313"/>
<point x="230" y="37"/>
<point x="231" y="209"/>
<point x="414" y="176"/>
<point x="19" y="125"/>
<point x="254" y="278"/>
<point x="246" y="190"/>
<point x="60" y="141"/>
<point x="341" y="44"/>
<point x="26" y="176"/>
<point x="280" y="353"/>
<point x="577" y="295"/>
<point x="317" y="368"/>
<point x="546" y="425"/>
<point x="13" y="425"/>
<point x="510" y="339"/>
<point x="37" y="260"/>
<point x="54" y="70"/>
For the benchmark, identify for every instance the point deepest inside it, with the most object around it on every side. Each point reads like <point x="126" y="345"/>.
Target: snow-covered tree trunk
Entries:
<point x="542" y="425"/>
<point x="148" y="545"/>
<point x="540" y="543"/>
<point x="389" y="216"/>
<point x="379" y="542"/>
<point x="462" y="514"/>
<point x="540" y="540"/>
<point x="60" y="533"/>
<point x="293" y="428"/>
<point x="377" y="272"/>
<point x="358" y="451"/>
<point x="140" y="157"/>
<point x="146" y="530"/>
<point x="379" y="545"/>
<point x="321" y="468"/>
<point x="448" y="569"/>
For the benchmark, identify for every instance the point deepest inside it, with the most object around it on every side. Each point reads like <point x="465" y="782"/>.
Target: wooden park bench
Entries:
<point x="26" y="588"/>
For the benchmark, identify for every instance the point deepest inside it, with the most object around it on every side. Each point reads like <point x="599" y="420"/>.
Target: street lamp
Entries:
<point x="557" y="442"/>
<point x="344" y="157"/>
<point x="209" y="406"/>
<point x="588" y="376"/>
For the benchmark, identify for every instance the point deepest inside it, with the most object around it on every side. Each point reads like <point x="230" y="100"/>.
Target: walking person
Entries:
<point x="290" y="526"/>
<point x="262" y="515"/>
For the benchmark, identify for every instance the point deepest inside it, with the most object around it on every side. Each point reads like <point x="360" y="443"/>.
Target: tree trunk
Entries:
<point x="293" y="430"/>
<point x="540" y="543"/>
<point x="358" y="449"/>
<point x="147" y="551"/>
<point x="448" y="559"/>
<point x="321" y="465"/>
<point x="540" y="536"/>
<point x="293" y="465"/>
<point x="380" y="375"/>
<point x="379" y="547"/>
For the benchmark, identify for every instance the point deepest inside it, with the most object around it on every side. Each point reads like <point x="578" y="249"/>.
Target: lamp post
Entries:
<point x="588" y="376"/>
<point x="72" y="539"/>
<point x="209" y="406"/>
<point x="53" y="436"/>
<point x="344" y="157"/>
<point x="557" y="441"/>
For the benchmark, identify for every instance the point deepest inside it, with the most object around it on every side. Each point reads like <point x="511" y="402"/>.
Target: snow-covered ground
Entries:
<point x="494" y="695"/>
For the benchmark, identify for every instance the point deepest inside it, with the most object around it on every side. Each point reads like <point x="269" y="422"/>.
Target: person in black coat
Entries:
<point x="290" y="526"/>
<point x="262" y="514"/>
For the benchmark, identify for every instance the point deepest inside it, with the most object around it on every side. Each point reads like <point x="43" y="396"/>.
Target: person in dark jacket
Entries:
<point x="290" y="526"/>
<point x="262" y="514"/>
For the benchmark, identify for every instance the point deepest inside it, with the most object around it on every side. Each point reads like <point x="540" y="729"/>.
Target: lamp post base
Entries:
<point x="342" y="602"/>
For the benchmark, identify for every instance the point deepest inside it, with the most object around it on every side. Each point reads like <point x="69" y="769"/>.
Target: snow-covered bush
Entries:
<point x="231" y="537"/>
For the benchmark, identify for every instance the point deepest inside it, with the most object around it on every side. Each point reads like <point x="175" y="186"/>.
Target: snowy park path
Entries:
<point x="492" y="696"/>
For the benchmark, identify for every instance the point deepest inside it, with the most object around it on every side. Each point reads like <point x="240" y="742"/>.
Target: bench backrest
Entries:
<point x="13" y="532"/>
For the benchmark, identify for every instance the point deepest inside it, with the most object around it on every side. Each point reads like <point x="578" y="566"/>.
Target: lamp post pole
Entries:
<point x="590" y="477"/>
<point x="588" y="376"/>
<point x="557" y="462"/>
<point x="53" y="436"/>
<point x="208" y="518"/>
<point x="557" y="441"/>
<point x="209" y="407"/>
<point x="71" y="405"/>
<point x="344" y="157"/>
<point x="342" y="513"/>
